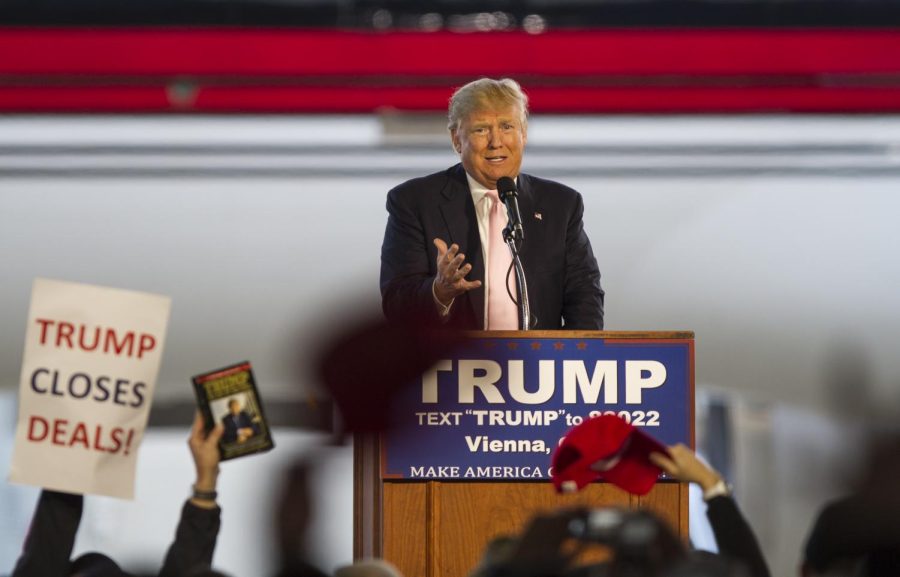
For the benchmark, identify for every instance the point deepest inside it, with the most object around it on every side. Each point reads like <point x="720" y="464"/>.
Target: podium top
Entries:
<point x="563" y="334"/>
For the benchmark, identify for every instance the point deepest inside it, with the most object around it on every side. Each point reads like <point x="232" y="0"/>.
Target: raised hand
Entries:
<point x="452" y="269"/>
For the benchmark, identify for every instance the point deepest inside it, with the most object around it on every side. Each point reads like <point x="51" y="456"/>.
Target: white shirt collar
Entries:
<point x="478" y="190"/>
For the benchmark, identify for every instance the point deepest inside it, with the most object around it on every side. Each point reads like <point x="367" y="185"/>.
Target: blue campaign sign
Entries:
<point x="498" y="407"/>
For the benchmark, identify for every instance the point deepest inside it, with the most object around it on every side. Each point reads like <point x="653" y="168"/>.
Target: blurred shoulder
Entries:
<point x="542" y="187"/>
<point x="425" y="188"/>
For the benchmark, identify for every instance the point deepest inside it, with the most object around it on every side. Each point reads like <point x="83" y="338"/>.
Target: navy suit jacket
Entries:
<point x="560" y="268"/>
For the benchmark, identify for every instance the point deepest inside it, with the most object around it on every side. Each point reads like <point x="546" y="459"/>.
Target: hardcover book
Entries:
<point x="229" y="396"/>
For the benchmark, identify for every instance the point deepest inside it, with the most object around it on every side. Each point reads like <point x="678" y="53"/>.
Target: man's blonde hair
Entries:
<point x="486" y="93"/>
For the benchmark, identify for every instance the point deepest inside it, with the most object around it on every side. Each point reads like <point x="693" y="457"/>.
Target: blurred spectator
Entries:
<point x="640" y="544"/>
<point x="292" y="516"/>
<point x="368" y="568"/>
<point x="859" y="535"/>
<point x="387" y="358"/>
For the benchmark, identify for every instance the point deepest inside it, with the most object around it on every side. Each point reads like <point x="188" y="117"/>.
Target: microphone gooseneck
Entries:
<point x="513" y="235"/>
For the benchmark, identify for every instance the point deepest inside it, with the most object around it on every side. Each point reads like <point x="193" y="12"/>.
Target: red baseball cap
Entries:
<point x="609" y="448"/>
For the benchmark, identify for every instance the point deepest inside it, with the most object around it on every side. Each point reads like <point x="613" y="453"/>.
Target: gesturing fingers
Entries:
<point x="448" y="259"/>
<point x="461" y="272"/>
<point x="453" y="265"/>
<point x="452" y="258"/>
<point x="452" y="269"/>
<point x="441" y="248"/>
<point x="445" y="254"/>
<point x="468" y="285"/>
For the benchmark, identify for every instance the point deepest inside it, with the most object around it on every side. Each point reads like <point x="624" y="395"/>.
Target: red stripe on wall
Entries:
<point x="335" y="71"/>
<point x="279" y="100"/>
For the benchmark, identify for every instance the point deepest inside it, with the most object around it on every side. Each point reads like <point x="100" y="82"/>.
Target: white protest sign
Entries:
<point x="91" y="359"/>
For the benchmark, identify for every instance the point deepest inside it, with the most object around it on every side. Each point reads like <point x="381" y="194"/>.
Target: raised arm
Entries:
<point x="733" y="534"/>
<point x="198" y="528"/>
<point x="51" y="537"/>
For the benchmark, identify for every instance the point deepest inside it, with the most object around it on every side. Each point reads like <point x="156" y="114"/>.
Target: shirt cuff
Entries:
<point x="720" y="489"/>
<point x="443" y="310"/>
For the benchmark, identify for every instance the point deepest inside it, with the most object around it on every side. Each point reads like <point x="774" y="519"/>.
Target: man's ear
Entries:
<point x="454" y="141"/>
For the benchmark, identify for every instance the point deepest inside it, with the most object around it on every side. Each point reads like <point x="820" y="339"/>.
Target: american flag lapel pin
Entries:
<point x="538" y="216"/>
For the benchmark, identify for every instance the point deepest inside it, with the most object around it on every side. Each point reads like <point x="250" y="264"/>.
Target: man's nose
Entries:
<point x="494" y="139"/>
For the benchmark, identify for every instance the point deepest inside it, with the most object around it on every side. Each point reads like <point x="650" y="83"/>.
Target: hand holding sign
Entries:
<point x="91" y="359"/>
<point x="51" y="537"/>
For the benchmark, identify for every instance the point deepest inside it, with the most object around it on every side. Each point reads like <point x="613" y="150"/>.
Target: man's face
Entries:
<point x="490" y="142"/>
<point x="234" y="407"/>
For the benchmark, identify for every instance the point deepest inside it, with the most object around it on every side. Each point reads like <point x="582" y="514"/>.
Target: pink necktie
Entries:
<point x="502" y="312"/>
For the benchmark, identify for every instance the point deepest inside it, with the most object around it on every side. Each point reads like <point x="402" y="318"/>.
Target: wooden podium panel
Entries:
<point x="436" y="528"/>
<point x="440" y="529"/>
<point x="407" y="543"/>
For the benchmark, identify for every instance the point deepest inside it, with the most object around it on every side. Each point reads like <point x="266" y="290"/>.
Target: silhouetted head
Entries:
<point x="96" y="565"/>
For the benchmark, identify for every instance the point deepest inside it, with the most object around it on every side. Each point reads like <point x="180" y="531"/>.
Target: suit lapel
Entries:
<point x="458" y="212"/>
<point x="526" y="209"/>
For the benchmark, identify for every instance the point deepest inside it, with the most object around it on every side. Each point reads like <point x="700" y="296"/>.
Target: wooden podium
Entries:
<point x="438" y="528"/>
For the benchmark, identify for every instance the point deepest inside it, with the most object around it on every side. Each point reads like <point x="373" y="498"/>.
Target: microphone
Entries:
<point x="506" y="190"/>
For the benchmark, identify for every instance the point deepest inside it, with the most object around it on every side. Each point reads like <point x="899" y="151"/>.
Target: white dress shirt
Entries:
<point x="483" y="214"/>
